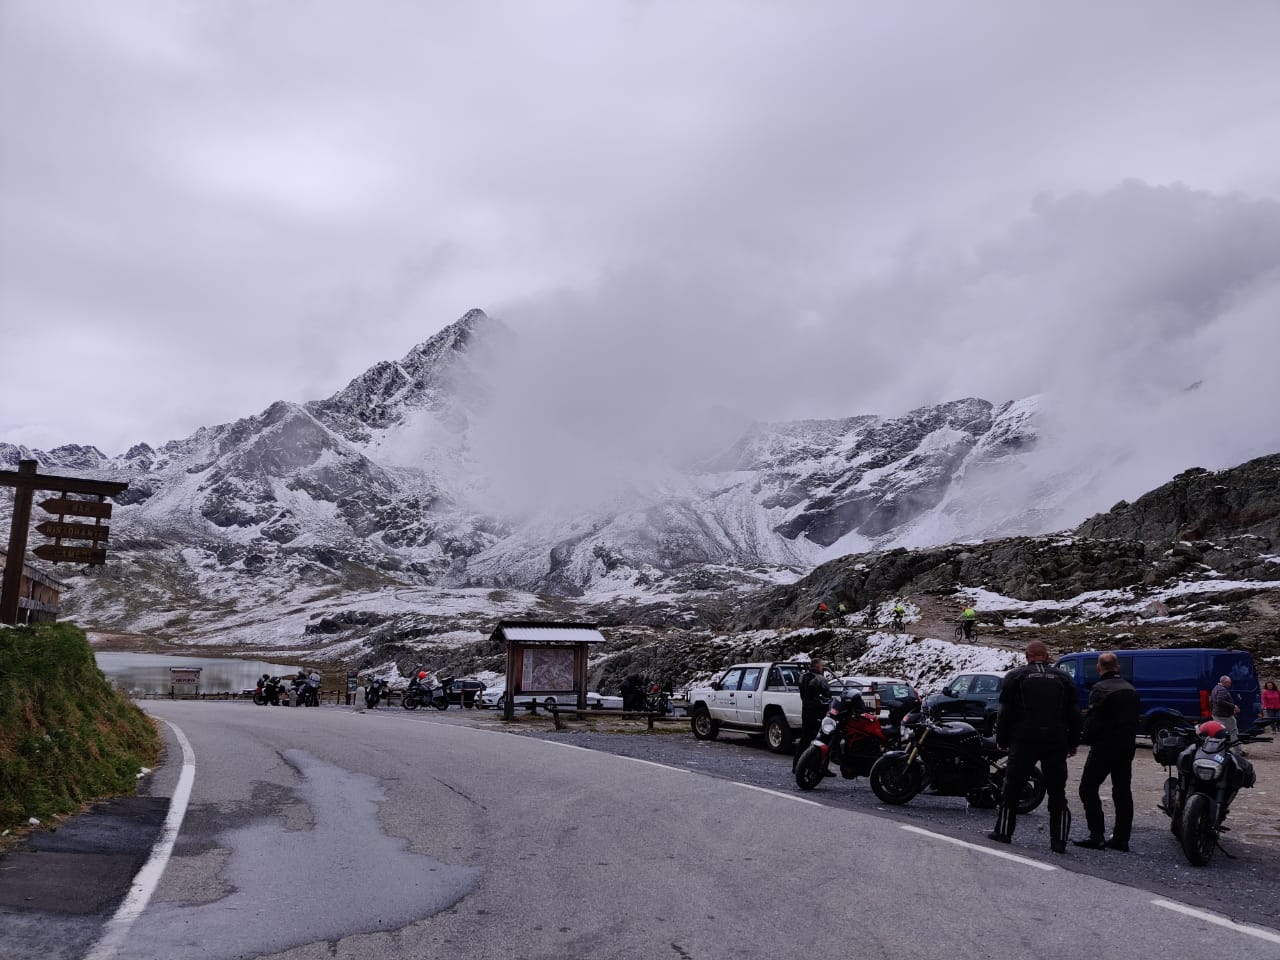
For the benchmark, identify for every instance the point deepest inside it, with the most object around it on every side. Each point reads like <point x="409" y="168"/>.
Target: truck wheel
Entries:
<point x="704" y="728"/>
<point x="777" y="734"/>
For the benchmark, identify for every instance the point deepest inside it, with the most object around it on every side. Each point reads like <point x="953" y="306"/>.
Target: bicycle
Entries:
<point x="959" y="632"/>
<point x="897" y="623"/>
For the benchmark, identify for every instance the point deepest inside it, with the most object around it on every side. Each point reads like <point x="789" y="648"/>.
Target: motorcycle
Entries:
<point x="268" y="691"/>
<point x="850" y="737"/>
<point x="657" y="700"/>
<point x="1209" y="774"/>
<point x="375" y="691"/>
<point x="953" y="760"/>
<point x="422" y="693"/>
<point x="306" y="690"/>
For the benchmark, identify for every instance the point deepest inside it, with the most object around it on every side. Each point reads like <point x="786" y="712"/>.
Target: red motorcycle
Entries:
<point x="850" y="737"/>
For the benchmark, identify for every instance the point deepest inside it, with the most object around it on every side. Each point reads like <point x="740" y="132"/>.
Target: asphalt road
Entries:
<point x="327" y="833"/>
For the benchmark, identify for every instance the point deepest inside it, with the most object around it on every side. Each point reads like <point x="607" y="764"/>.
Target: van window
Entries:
<point x="750" y="678"/>
<point x="1070" y="667"/>
<point x="1090" y="665"/>
<point x="1166" y="668"/>
<point x="731" y="680"/>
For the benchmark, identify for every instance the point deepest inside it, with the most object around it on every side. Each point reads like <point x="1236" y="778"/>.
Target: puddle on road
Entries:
<point x="292" y="887"/>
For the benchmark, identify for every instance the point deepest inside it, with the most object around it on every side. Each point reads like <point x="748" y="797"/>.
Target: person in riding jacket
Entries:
<point x="1110" y="727"/>
<point x="1039" y="721"/>
<point x="815" y="697"/>
<point x="967" y="619"/>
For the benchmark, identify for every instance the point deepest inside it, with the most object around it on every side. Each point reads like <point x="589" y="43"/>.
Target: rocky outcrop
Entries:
<point x="1200" y="505"/>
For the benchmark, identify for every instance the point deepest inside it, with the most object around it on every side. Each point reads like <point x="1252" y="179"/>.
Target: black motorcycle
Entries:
<point x="375" y="691"/>
<point x="952" y="760"/>
<point x="849" y="737"/>
<point x="422" y="693"/>
<point x="306" y="690"/>
<point x="268" y="691"/>
<point x="1209" y="774"/>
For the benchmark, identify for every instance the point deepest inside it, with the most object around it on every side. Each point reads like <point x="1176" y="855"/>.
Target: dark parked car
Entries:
<point x="465" y="692"/>
<point x="971" y="697"/>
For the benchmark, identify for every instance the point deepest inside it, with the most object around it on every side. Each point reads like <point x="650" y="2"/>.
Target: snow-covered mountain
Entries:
<point x="378" y="486"/>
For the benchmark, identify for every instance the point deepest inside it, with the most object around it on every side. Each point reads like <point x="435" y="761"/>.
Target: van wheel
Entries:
<point x="704" y="728"/>
<point x="777" y="734"/>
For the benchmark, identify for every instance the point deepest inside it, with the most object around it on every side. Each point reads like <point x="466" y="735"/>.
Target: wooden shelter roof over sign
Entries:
<point x="537" y="631"/>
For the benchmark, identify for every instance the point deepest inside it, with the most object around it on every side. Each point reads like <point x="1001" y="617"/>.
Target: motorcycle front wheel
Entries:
<point x="1199" y="836"/>
<point x="259" y="699"/>
<point x="895" y="780"/>
<point x="809" y="768"/>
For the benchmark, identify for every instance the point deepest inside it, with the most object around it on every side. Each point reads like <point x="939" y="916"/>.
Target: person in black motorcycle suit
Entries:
<point x="1039" y="721"/>
<point x="1110" y="727"/>
<point x="815" y="698"/>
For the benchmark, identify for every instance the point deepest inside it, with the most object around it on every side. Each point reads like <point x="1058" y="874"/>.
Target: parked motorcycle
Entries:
<point x="952" y="760"/>
<point x="306" y="690"/>
<point x="268" y="691"/>
<point x="422" y="693"/>
<point x="375" y="691"/>
<point x="1209" y="774"/>
<point x="850" y="737"/>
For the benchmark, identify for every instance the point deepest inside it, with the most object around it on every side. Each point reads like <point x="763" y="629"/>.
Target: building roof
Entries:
<point x="539" y="631"/>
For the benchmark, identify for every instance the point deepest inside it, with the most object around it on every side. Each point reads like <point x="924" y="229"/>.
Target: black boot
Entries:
<point x="1059" y="830"/>
<point x="1006" y="820"/>
<point x="1091" y="843"/>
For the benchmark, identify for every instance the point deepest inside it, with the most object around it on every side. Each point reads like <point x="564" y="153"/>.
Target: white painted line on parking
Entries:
<point x="1258" y="932"/>
<point x="981" y="849"/>
<point x="650" y="763"/>
<point x="779" y="793"/>
<point x="148" y="878"/>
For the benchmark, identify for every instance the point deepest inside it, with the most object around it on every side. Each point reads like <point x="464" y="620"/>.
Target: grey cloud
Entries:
<point x="787" y="211"/>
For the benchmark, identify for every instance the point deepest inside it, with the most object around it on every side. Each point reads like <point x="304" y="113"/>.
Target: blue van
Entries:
<point x="1177" y="679"/>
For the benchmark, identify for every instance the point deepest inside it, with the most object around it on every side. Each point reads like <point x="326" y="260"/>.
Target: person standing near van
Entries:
<point x="1223" y="708"/>
<point x="1271" y="705"/>
<point x="1039" y="721"/>
<point x="1110" y="729"/>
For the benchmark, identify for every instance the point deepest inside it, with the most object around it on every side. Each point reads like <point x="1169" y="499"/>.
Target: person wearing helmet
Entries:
<point x="967" y="619"/>
<point x="820" y="615"/>
<point x="1110" y="727"/>
<point x="422" y="675"/>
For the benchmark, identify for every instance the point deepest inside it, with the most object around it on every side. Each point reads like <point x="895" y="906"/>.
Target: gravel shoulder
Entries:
<point x="1239" y="882"/>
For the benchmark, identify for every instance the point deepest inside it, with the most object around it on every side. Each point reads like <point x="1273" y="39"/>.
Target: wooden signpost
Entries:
<point x="25" y="481"/>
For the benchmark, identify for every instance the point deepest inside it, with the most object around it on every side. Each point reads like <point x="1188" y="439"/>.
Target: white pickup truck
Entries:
<point x="756" y="698"/>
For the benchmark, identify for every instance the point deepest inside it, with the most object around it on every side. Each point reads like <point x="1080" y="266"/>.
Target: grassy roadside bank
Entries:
<point x="66" y="735"/>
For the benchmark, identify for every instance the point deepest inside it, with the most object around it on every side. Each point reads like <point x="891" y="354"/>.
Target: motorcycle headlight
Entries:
<point x="828" y="725"/>
<point x="1207" y="769"/>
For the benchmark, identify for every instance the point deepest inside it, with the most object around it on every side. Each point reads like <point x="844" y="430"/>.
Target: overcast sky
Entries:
<point x="807" y="209"/>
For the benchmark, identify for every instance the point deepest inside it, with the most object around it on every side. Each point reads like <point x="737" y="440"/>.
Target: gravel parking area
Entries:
<point x="1242" y="885"/>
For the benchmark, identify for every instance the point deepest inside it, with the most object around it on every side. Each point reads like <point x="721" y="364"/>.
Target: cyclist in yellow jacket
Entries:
<point x="967" y="620"/>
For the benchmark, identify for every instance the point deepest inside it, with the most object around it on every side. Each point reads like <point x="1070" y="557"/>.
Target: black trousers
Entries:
<point x="1053" y="764"/>
<point x="968" y="629"/>
<point x="1114" y="761"/>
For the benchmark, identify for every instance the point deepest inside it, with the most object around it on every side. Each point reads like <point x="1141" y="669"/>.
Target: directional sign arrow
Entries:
<point x="56" y="554"/>
<point x="73" y="531"/>
<point x="76" y="508"/>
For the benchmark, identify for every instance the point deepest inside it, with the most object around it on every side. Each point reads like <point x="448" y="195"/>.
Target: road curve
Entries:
<point x="328" y="833"/>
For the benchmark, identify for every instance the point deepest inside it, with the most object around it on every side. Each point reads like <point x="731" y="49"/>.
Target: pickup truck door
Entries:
<point x="749" y="692"/>
<point x="723" y="703"/>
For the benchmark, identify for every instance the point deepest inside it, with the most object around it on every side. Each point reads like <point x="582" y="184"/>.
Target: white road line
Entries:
<point x="650" y="763"/>
<point x="1258" y="932"/>
<point x="148" y="878"/>
<point x="779" y="793"/>
<point x="973" y="846"/>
